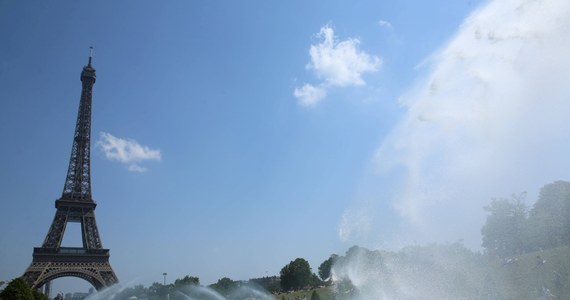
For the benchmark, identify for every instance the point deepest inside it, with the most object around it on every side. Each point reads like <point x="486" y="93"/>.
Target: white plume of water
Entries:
<point x="109" y="293"/>
<point x="250" y="292"/>
<point x="489" y="119"/>
<point x="415" y="272"/>
<point x="190" y="292"/>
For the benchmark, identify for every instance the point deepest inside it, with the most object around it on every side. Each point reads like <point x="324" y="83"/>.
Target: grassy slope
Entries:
<point x="324" y="294"/>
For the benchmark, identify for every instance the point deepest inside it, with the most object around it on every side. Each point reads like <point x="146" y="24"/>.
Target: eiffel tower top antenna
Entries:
<point x="90" y="55"/>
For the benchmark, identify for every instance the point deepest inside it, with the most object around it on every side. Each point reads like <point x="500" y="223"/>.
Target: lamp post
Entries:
<point x="167" y="293"/>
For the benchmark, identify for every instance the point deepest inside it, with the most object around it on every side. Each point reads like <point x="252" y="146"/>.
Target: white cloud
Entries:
<point x="340" y="63"/>
<point x="385" y="24"/>
<point x="126" y="151"/>
<point x="310" y="95"/>
<point x="337" y="64"/>
<point x="136" y="168"/>
<point x="490" y="118"/>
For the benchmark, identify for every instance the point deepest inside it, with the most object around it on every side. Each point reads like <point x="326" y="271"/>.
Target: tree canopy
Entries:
<point x="504" y="230"/>
<point x="296" y="275"/>
<point x="549" y="219"/>
<point x="224" y="286"/>
<point x="187" y="280"/>
<point x="325" y="267"/>
<point x="18" y="289"/>
<point x="511" y="228"/>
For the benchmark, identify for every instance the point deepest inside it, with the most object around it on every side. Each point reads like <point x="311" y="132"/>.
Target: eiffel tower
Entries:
<point x="90" y="262"/>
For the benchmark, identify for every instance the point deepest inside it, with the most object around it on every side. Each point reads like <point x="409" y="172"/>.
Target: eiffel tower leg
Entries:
<point x="47" y="289"/>
<point x="33" y="273"/>
<point x="56" y="230"/>
<point x="91" y="238"/>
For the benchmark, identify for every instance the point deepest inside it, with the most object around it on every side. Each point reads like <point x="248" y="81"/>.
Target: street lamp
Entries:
<point x="167" y="293"/>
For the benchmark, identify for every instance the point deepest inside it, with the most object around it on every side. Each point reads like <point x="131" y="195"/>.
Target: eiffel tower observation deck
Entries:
<point x="91" y="261"/>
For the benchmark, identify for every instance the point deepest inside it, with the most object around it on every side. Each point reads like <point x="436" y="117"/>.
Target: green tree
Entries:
<point x="38" y="295"/>
<point x="224" y="286"/>
<point x="325" y="267"/>
<point x="296" y="275"/>
<point x="549" y="219"/>
<point x="17" y="289"/>
<point x="271" y="284"/>
<point x="157" y="291"/>
<point x="187" y="280"/>
<point x="505" y="229"/>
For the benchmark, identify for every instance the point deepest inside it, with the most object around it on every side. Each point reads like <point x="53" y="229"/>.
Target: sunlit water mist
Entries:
<point x="188" y="292"/>
<point x="197" y="292"/>
<point x="109" y="293"/>
<point x="416" y="272"/>
<point x="489" y="119"/>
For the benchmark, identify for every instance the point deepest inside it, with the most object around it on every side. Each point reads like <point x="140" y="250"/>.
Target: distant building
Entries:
<point x="75" y="296"/>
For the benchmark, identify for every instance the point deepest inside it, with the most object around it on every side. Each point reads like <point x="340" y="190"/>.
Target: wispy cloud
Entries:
<point x="488" y="120"/>
<point x="336" y="64"/>
<point x="310" y="95"/>
<point x="385" y="24"/>
<point x="126" y="151"/>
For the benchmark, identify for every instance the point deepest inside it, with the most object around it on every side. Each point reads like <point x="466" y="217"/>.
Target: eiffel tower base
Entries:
<point x="91" y="265"/>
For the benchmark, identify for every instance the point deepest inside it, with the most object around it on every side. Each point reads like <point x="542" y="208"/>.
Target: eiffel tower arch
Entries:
<point x="91" y="261"/>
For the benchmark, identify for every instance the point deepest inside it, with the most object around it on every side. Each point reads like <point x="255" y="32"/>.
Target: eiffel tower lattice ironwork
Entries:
<point x="90" y="262"/>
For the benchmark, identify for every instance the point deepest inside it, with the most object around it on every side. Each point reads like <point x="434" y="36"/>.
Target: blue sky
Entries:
<point x="230" y="138"/>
